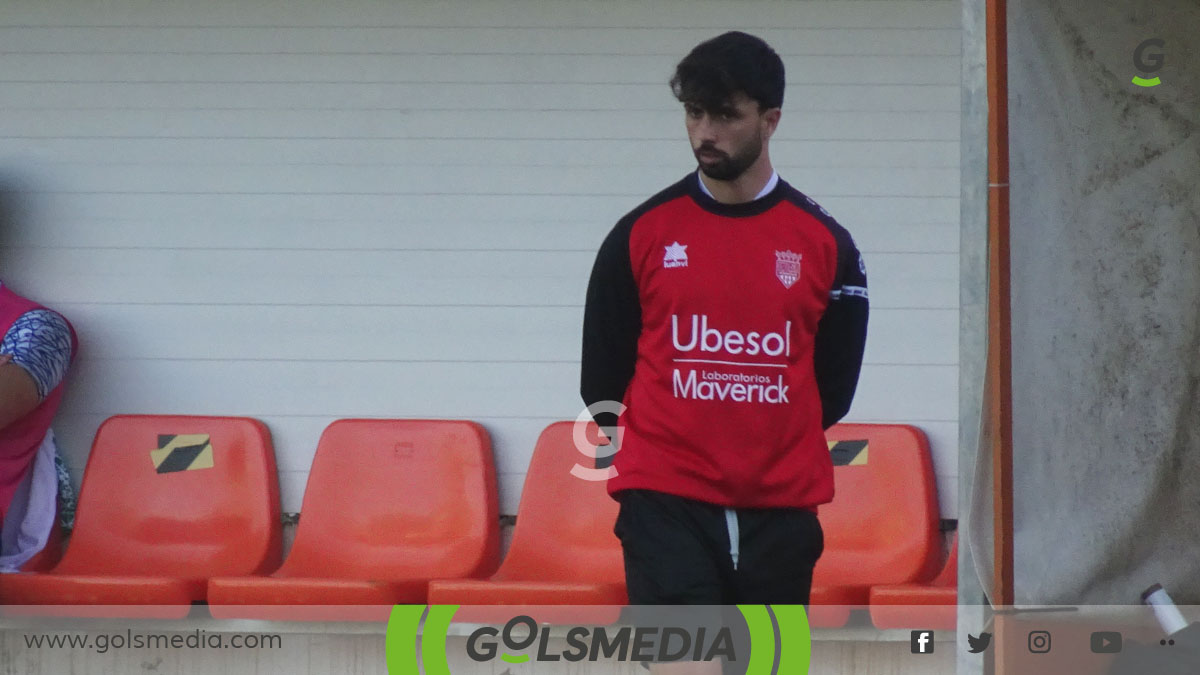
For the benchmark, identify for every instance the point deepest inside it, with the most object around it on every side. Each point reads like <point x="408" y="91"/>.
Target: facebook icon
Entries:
<point x="922" y="642"/>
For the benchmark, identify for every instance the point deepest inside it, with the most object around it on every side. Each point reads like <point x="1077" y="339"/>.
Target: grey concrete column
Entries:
<point x="972" y="313"/>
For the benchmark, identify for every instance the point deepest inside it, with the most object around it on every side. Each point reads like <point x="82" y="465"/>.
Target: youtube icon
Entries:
<point x="1106" y="642"/>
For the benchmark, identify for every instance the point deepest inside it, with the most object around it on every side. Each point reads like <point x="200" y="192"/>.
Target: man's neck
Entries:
<point x="745" y="188"/>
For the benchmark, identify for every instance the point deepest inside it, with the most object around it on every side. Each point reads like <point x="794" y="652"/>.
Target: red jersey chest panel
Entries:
<point x="723" y="405"/>
<point x="731" y="290"/>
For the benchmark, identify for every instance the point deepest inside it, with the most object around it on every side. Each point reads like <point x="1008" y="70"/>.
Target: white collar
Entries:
<point x="771" y="183"/>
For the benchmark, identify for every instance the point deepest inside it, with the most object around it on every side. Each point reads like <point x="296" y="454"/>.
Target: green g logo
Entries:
<point x="1148" y="63"/>
<point x="780" y="641"/>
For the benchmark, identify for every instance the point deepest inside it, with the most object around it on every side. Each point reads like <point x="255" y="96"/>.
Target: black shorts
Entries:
<point x="677" y="551"/>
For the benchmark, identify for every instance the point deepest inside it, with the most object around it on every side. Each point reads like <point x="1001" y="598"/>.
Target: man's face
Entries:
<point x="728" y="140"/>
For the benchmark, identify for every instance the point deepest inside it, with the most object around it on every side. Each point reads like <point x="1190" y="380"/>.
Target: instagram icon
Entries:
<point x="1039" y="642"/>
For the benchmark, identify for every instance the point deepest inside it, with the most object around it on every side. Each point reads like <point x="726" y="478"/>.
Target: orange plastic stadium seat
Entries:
<point x="933" y="605"/>
<point x="563" y="549"/>
<point x="390" y="504"/>
<point x="881" y="527"/>
<point x="166" y="503"/>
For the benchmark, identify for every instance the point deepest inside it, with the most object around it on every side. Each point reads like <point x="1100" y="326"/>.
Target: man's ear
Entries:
<point x="771" y="121"/>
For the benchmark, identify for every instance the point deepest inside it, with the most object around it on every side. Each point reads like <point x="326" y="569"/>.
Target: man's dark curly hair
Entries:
<point x="733" y="62"/>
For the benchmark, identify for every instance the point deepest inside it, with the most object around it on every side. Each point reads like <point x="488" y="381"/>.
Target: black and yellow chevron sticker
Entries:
<point x="182" y="452"/>
<point x="848" y="453"/>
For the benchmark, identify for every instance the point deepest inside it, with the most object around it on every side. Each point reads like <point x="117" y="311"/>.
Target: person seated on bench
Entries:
<point x="36" y="347"/>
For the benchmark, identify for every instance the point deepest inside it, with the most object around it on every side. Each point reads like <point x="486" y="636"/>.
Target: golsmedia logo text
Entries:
<point x="624" y="643"/>
<point x="778" y="641"/>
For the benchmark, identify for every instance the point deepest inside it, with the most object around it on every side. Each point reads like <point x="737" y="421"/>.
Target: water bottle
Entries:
<point x="1168" y="615"/>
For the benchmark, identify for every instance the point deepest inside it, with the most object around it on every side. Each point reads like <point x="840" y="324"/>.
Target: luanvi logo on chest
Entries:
<point x="676" y="256"/>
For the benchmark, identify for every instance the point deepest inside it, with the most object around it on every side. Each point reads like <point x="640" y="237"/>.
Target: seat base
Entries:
<point x="914" y="606"/>
<point x="310" y="599"/>
<point x="99" y="596"/>
<point x="546" y="601"/>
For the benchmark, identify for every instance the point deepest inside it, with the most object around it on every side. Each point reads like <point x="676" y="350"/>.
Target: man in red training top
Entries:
<point x="728" y="313"/>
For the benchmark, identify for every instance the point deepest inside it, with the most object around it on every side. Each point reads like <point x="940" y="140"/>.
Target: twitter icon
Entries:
<point x="978" y="644"/>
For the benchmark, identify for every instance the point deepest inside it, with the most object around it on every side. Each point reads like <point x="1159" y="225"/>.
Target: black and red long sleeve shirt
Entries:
<point x="733" y="334"/>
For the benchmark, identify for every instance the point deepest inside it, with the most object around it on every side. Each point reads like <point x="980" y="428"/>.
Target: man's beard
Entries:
<point x="729" y="167"/>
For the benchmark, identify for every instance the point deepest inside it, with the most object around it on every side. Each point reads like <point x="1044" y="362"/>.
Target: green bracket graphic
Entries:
<point x="433" y="639"/>
<point x="762" y="639"/>
<point x="795" y="639"/>
<point x="400" y="644"/>
<point x="794" y="648"/>
<point x="1146" y="83"/>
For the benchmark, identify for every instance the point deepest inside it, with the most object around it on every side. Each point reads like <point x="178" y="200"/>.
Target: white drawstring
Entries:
<point x="731" y="522"/>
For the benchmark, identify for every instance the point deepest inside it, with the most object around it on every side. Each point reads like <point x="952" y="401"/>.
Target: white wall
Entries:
<point x="300" y="211"/>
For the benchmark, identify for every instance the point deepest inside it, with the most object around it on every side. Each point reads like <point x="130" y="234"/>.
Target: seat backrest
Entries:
<point x="177" y="496"/>
<point x="399" y="499"/>
<point x="881" y="527"/>
<point x="565" y="522"/>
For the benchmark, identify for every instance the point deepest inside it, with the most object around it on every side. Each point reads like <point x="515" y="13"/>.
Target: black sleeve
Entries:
<point x="842" y="334"/>
<point x="612" y="322"/>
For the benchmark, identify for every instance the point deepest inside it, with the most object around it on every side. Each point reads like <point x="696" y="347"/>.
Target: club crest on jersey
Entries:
<point x="676" y="256"/>
<point x="787" y="267"/>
